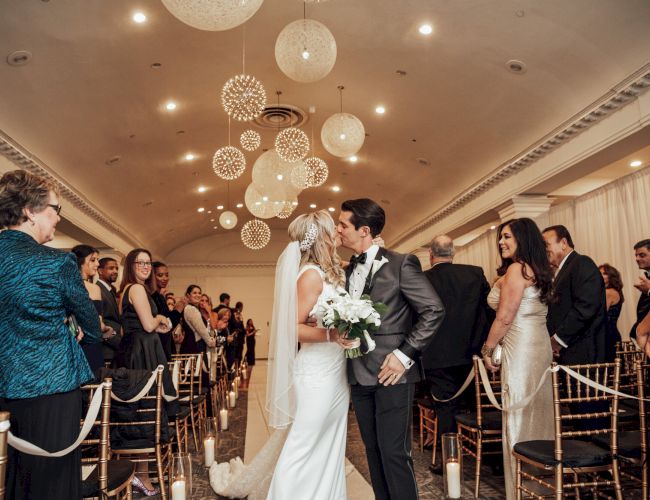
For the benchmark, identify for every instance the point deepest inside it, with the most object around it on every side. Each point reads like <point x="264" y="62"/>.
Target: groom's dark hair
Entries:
<point x="365" y="212"/>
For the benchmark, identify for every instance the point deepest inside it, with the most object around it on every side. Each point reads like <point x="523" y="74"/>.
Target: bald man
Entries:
<point x="447" y="360"/>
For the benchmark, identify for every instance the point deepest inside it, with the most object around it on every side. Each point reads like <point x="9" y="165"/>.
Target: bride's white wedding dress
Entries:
<point x="311" y="461"/>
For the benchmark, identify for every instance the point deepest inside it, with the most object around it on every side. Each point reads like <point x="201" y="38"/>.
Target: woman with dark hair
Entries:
<point x="42" y="365"/>
<point x="250" y="342"/>
<point x="520" y="297"/>
<point x="88" y="262"/>
<point x="161" y="278"/>
<point x="615" y="299"/>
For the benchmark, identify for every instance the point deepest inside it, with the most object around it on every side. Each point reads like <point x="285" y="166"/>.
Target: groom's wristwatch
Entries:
<point x="486" y="351"/>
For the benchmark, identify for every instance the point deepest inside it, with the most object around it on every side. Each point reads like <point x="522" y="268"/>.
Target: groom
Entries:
<point x="383" y="381"/>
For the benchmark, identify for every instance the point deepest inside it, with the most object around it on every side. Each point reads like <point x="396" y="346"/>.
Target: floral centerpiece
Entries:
<point x="355" y="319"/>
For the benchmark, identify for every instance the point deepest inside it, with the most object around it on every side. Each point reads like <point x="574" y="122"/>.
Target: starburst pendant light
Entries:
<point x="243" y="96"/>
<point x="292" y="144"/>
<point x="250" y="140"/>
<point x="316" y="168"/>
<point x="228" y="162"/>
<point x="255" y="234"/>
<point x="228" y="219"/>
<point x="342" y="134"/>
<point x="213" y="15"/>
<point x="305" y="50"/>
<point x="287" y="209"/>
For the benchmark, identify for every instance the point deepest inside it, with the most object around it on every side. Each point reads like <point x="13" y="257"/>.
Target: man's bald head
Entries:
<point x="442" y="249"/>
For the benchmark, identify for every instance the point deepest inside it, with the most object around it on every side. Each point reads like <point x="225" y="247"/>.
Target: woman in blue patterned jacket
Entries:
<point x="41" y="362"/>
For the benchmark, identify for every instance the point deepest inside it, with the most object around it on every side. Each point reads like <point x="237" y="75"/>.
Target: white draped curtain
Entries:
<point x="605" y="224"/>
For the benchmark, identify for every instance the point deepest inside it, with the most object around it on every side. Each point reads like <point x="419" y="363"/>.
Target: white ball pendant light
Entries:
<point x="228" y="219"/>
<point x="213" y="15"/>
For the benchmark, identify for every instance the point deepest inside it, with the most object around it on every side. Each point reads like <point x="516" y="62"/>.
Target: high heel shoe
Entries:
<point x="137" y="483"/>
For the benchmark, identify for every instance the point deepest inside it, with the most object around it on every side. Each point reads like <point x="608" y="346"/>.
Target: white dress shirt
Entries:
<point x="558" y="339"/>
<point x="357" y="284"/>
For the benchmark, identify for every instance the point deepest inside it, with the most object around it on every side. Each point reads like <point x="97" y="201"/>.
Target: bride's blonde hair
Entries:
<point x="319" y="246"/>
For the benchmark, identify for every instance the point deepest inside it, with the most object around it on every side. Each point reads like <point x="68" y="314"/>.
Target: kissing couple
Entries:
<point x="309" y="387"/>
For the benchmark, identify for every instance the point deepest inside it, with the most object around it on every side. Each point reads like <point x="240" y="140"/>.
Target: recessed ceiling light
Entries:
<point x="313" y="205"/>
<point x="336" y="189"/>
<point x="202" y="189"/>
<point x="636" y="163"/>
<point x="170" y="105"/>
<point x="493" y="227"/>
<point x="139" y="17"/>
<point x="189" y="156"/>
<point x="219" y="207"/>
<point x="353" y="159"/>
<point x="380" y="110"/>
<point x="294" y="203"/>
<point x="211" y="220"/>
<point x="200" y="209"/>
<point x="265" y="198"/>
<point x="240" y="205"/>
<point x="214" y="227"/>
<point x="425" y="29"/>
<point x="209" y="211"/>
<point x="331" y="209"/>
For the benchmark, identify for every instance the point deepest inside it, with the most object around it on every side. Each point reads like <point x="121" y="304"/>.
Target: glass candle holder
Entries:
<point x="232" y="399"/>
<point x="210" y="440"/>
<point x="452" y="465"/>
<point x="223" y="416"/>
<point x="180" y="478"/>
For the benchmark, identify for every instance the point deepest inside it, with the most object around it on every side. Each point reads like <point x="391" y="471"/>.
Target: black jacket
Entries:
<point x="578" y="316"/>
<point x="463" y="290"/>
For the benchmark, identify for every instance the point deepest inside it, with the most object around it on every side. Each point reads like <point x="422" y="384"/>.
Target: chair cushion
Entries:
<point x="575" y="453"/>
<point x="425" y="403"/>
<point x="182" y="414"/>
<point x="629" y="443"/>
<point x="197" y="400"/>
<point x="491" y="420"/>
<point x="119" y="471"/>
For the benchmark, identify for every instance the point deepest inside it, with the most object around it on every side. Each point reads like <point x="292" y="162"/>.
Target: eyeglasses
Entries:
<point x="57" y="208"/>
<point x="143" y="263"/>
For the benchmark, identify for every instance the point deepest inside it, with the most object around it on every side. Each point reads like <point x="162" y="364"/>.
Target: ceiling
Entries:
<point x="90" y="93"/>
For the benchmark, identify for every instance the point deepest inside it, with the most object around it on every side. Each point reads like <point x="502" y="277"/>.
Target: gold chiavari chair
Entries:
<point x="428" y="423"/>
<point x="153" y="449"/>
<point x="575" y="403"/>
<point x="4" y="434"/>
<point x="179" y="421"/>
<point x="105" y="477"/>
<point x="189" y="391"/>
<point x="482" y="427"/>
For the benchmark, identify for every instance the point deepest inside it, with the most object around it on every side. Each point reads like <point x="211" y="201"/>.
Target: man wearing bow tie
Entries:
<point x="383" y="381"/>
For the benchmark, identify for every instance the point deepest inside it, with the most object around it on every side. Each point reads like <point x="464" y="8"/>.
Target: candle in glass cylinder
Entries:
<point x="223" y="416"/>
<point x="232" y="399"/>
<point x="208" y="447"/>
<point x="453" y="479"/>
<point x="178" y="489"/>
<point x="244" y="373"/>
<point x="235" y="389"/>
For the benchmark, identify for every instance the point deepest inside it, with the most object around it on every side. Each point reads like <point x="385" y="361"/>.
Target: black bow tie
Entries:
<point x="354" y="260"/>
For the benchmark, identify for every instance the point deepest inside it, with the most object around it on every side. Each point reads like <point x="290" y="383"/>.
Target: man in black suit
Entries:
<point x="447" y="360"/>
<point x="576" y="321"/>
<point x="642" y="256"/>
<point x="383" y="381"/>
<point x="107" y="272"/>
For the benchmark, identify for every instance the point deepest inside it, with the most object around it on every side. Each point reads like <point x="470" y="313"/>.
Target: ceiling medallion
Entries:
<point x="213" y="15"/>
<point x="228" y="163"/>
<point x="228" y="219"/>
<point x="305" y="50"/>
<point x="292" y="144"/>
<point x="255" y="234"/>
<point x="318" y="171"/>
<point x="243" y="97"/>
<point x="250" y="140"/>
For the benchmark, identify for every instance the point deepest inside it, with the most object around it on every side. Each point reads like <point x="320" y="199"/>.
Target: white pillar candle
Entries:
<point x="244" y="374"/>
<point x="232" y="399"/>
<point x="223" y="415"/>
<point x="208" y="447"/>
<point x="178" y="490"/>
<point x="453" y="479"/>
<point x="235" y="389"/>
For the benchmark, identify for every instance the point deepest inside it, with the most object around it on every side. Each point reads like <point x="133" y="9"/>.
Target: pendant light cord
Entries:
<point x="341" y="87"/>
<point x="243" y="51"/>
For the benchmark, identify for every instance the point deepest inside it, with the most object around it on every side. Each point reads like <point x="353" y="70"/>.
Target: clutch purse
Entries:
<point x="497" y="355"/>
<point x="73" y="326"/>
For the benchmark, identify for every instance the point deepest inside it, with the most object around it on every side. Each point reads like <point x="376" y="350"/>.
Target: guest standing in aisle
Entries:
<point x="641" y="328"/>
<point x="615" y="299"/>
<point x="108" y="270"/>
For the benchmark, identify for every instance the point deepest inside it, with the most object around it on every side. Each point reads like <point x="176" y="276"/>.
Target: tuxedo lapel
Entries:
<point x="370" y="279"/>
<point x="566" y="269"/>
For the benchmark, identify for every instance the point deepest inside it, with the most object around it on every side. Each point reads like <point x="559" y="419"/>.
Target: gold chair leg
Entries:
<point x="435" y="441"/>
<point x="559" y="482"/>
<point x="576" y="490"/>
<point x="617" y="480"/>
<point x="479" y="453"/>
<point x="194" y="429"/>
<point x="518" y="481"/>
<point x="161" y="476"/>
<point x="421" y="431"/>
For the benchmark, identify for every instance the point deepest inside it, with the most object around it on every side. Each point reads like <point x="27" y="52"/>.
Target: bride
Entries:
<point x="307" y="393"/>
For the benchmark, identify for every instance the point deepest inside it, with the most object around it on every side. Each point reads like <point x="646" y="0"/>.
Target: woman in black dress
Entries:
<point x="250" y="342"/>
<point x="615" y="299"/>
<point x="161" y="279"/>
<point x="141" y="348"/>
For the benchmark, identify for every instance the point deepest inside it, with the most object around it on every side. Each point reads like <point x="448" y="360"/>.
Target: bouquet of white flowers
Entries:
<point x="355" y="319"/>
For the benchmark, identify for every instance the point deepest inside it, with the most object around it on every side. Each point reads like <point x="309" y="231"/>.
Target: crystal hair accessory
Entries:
<point x="309" y="238"/>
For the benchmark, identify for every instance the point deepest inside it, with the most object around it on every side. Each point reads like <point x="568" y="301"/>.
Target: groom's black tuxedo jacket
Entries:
<point x="578" y="316"/>
<point x="414" y="314"/>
